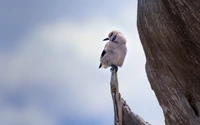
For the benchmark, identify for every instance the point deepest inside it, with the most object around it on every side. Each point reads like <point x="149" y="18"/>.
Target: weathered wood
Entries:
<point x="170" y="34"/>
<point x="116" y="97"/>
<point x="122" y="113"/>
<point x="130" y="118"/>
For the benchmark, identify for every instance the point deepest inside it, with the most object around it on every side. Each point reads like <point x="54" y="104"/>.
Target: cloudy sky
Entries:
<point x="49" y="58"/>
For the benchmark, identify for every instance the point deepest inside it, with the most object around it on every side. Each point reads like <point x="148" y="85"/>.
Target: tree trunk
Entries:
<point x="170" y="34"/>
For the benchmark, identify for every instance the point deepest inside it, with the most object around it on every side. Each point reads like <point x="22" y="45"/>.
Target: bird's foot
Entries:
<point x="114" y="68"/>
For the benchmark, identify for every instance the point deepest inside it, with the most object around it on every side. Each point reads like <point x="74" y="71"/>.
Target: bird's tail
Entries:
<point x="100" y="65"/>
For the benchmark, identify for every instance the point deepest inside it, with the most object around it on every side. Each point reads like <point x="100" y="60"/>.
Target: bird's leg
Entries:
<point x="114" y="68"/>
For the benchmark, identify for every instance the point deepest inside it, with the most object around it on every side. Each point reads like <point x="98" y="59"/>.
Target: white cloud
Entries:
<point x="30" y="116"/>
<point x="65" y="55"/>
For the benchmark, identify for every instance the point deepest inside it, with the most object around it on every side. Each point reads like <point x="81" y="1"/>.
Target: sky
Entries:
<point x="49" y="58"/>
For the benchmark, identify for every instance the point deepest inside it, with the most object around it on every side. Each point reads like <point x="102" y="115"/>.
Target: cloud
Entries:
<point x="56" y="67"/>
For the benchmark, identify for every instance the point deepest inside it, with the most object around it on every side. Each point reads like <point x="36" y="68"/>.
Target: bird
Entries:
<point x="114" y="52"/>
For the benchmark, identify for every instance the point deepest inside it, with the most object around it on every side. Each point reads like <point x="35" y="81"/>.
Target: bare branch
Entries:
<point x="122" y="113"/>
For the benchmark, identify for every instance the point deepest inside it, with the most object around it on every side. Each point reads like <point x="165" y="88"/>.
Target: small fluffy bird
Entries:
<point x="114" y="52"/>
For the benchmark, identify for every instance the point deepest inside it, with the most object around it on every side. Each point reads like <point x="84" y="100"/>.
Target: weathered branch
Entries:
<point x="122" y="113"/>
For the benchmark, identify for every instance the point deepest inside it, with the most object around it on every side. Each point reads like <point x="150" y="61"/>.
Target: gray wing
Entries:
<point x="108" y="55"/>
<point x="103" y="53"/>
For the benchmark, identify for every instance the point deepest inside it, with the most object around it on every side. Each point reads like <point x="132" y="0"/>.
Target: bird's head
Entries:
<point x="117" y="37"/>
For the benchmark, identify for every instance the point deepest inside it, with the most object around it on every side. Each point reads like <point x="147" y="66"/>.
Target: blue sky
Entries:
<point x="49" y="56"/>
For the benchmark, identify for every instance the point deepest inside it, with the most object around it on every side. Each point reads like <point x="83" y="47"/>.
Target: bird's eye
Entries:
<point x="110" y="34"/>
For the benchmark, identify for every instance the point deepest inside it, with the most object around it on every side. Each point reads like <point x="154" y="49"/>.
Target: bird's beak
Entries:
<point x="105" y="39"/>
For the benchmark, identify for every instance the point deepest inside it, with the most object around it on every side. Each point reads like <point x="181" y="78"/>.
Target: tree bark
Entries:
<point x="170" y="34"/>
<point x="122" y="113"/>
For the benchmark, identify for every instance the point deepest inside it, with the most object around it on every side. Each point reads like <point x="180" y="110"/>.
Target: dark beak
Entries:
<point x="105" y="39"/>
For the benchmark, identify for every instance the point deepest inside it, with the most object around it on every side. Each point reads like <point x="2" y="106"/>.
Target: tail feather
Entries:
<point x="100" y="65"/>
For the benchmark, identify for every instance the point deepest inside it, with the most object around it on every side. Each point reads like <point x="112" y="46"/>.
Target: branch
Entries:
<point x="122" y="113"/>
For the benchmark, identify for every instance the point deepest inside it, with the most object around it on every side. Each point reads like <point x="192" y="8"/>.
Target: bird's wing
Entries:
<point x="103" y="53"/>
<point x="107" y="56"/>
<point x="106" y="51"/>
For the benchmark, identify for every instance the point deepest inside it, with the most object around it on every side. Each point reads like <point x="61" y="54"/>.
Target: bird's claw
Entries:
<point x="114" y="68"/>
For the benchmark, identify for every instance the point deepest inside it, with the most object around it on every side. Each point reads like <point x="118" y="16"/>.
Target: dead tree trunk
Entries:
<point x="122" y="113"/>
<point x="170" y="34"/>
